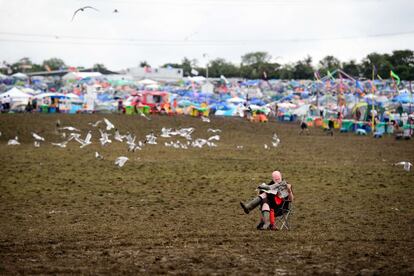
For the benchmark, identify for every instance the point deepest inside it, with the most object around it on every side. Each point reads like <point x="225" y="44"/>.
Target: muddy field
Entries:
<point x="176" y="211"/>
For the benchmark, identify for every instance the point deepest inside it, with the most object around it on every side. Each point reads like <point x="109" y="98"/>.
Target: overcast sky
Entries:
<point x="161" y="31"/>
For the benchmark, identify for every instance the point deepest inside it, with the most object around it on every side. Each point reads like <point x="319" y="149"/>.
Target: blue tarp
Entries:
<point x="403" y="98"/>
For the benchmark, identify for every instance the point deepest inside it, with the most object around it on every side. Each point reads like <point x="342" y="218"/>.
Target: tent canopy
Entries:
<point x="16" y="95"/>
<point x="20" y="76"/>
<point x="147" y="82"/>
<point x="81" y="75"/>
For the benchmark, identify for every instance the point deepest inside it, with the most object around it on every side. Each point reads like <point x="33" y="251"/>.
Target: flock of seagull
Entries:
<point x="70" y="133"/>
<point x="150" y="139"/>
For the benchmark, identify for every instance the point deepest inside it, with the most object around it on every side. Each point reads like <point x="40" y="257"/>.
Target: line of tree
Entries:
<point x="256" y="65"/>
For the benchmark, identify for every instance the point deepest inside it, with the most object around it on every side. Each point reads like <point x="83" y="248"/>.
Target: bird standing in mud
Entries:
<point x="82" y="9"/>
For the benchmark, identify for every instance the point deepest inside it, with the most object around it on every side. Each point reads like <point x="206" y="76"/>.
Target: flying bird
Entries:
<point x="62" y="145"/>
<point x="145" y="116"/>
<point x="82" y="9"/>
<point x="95" y="124"/>
<point x="109" y="125"/>
<point x="115" y="11"/>
<point x="69" y="128"/>
<point x="120" y="161"/>
<point x="37" y="137"/>
<point x="407" y="165"/>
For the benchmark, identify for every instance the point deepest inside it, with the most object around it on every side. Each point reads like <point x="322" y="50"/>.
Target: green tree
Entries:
<point x="220" y="67"/>
<point x="99" y="66"/>
<point x="187" y="64"/>
<point x="381" y="63"/>
<point x="144" y="63"/>
<point x="303" y="69"/>
<point x="329" y="63"/>
<point x="402" y="63"/>
<point x="53" y="63"/>
<point x="286" y="72"/>
<point x="352" y="68"/>
<point x="256" y="58"/>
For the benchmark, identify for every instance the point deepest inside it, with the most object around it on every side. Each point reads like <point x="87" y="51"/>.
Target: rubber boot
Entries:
<point x="251" y="204"/>
<point x="266" y="219"/>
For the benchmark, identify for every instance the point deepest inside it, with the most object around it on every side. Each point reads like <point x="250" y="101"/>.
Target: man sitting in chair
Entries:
<point x="273" y="197"/>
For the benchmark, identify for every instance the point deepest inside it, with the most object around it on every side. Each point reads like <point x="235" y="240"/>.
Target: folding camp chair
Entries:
<point x="283" y="216"/>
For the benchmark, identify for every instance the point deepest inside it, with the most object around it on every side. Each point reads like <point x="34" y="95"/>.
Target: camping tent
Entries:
<point x="20" y="76"/>
<point x="147" y="82"/>
<point x="80" y="75"/>
<point x="16" y="94"/>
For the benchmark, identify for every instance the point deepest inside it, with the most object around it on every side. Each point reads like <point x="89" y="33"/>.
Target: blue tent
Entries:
<point x="403" y="98"/>
<point x="257" y="101"/>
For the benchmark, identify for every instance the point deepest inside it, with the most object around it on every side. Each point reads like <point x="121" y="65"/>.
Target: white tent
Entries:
<point x="197" y="79"/>
<point x="20" y="76"/>
<point x="81" y="75"/>
<point x="16" y="95"/>
<point x="302" y="110"/>
<point x="236" y="100"/>
<point x="49" y="94"/>
<point x="147" y="82"/>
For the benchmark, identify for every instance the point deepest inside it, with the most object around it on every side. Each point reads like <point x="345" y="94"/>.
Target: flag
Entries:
<point x="264" y="76"/>
<point x="194" y="72"/>
<point x="395" y="77"/>
<point x="330" y="75"/>
<point x="317" y="76"/>
<point x="341" y="88"/>
<point x="47" y="68"/>
<point x="374" y="71"/>
<point x="379" y="77"/>
<point x="373" y="87"/>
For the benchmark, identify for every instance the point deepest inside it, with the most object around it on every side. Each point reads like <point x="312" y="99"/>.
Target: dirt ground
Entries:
<point x="176" y="211"/>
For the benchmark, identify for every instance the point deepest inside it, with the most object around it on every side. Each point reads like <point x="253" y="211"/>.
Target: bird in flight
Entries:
<point x="82" y="9"/>
<point x="407" y="165"/>
<point x="115" y="11"/>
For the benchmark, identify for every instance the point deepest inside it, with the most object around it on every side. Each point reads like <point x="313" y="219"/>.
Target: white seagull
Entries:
<point x="62" y="145"/>
<point x="104" y="138"/>
<point x="98" y="156"/>
<point x="37" y="137"/>
<point x="120" y="161"/>
<point x="118" y="136"/>
<point x="85" y="142"/>
<point x="275" y="140"/>
<point x="109" y="125"/>
<point x="96" y="123"/>
<point x="13" y="142"/>
<point x="70" y="128"/>
<point x="407" y="165"/>
<point x="213" y="130"/>
<point x="215" y="137"/>
<point x="145" y="116"/>
<point x="205" y="119"/>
